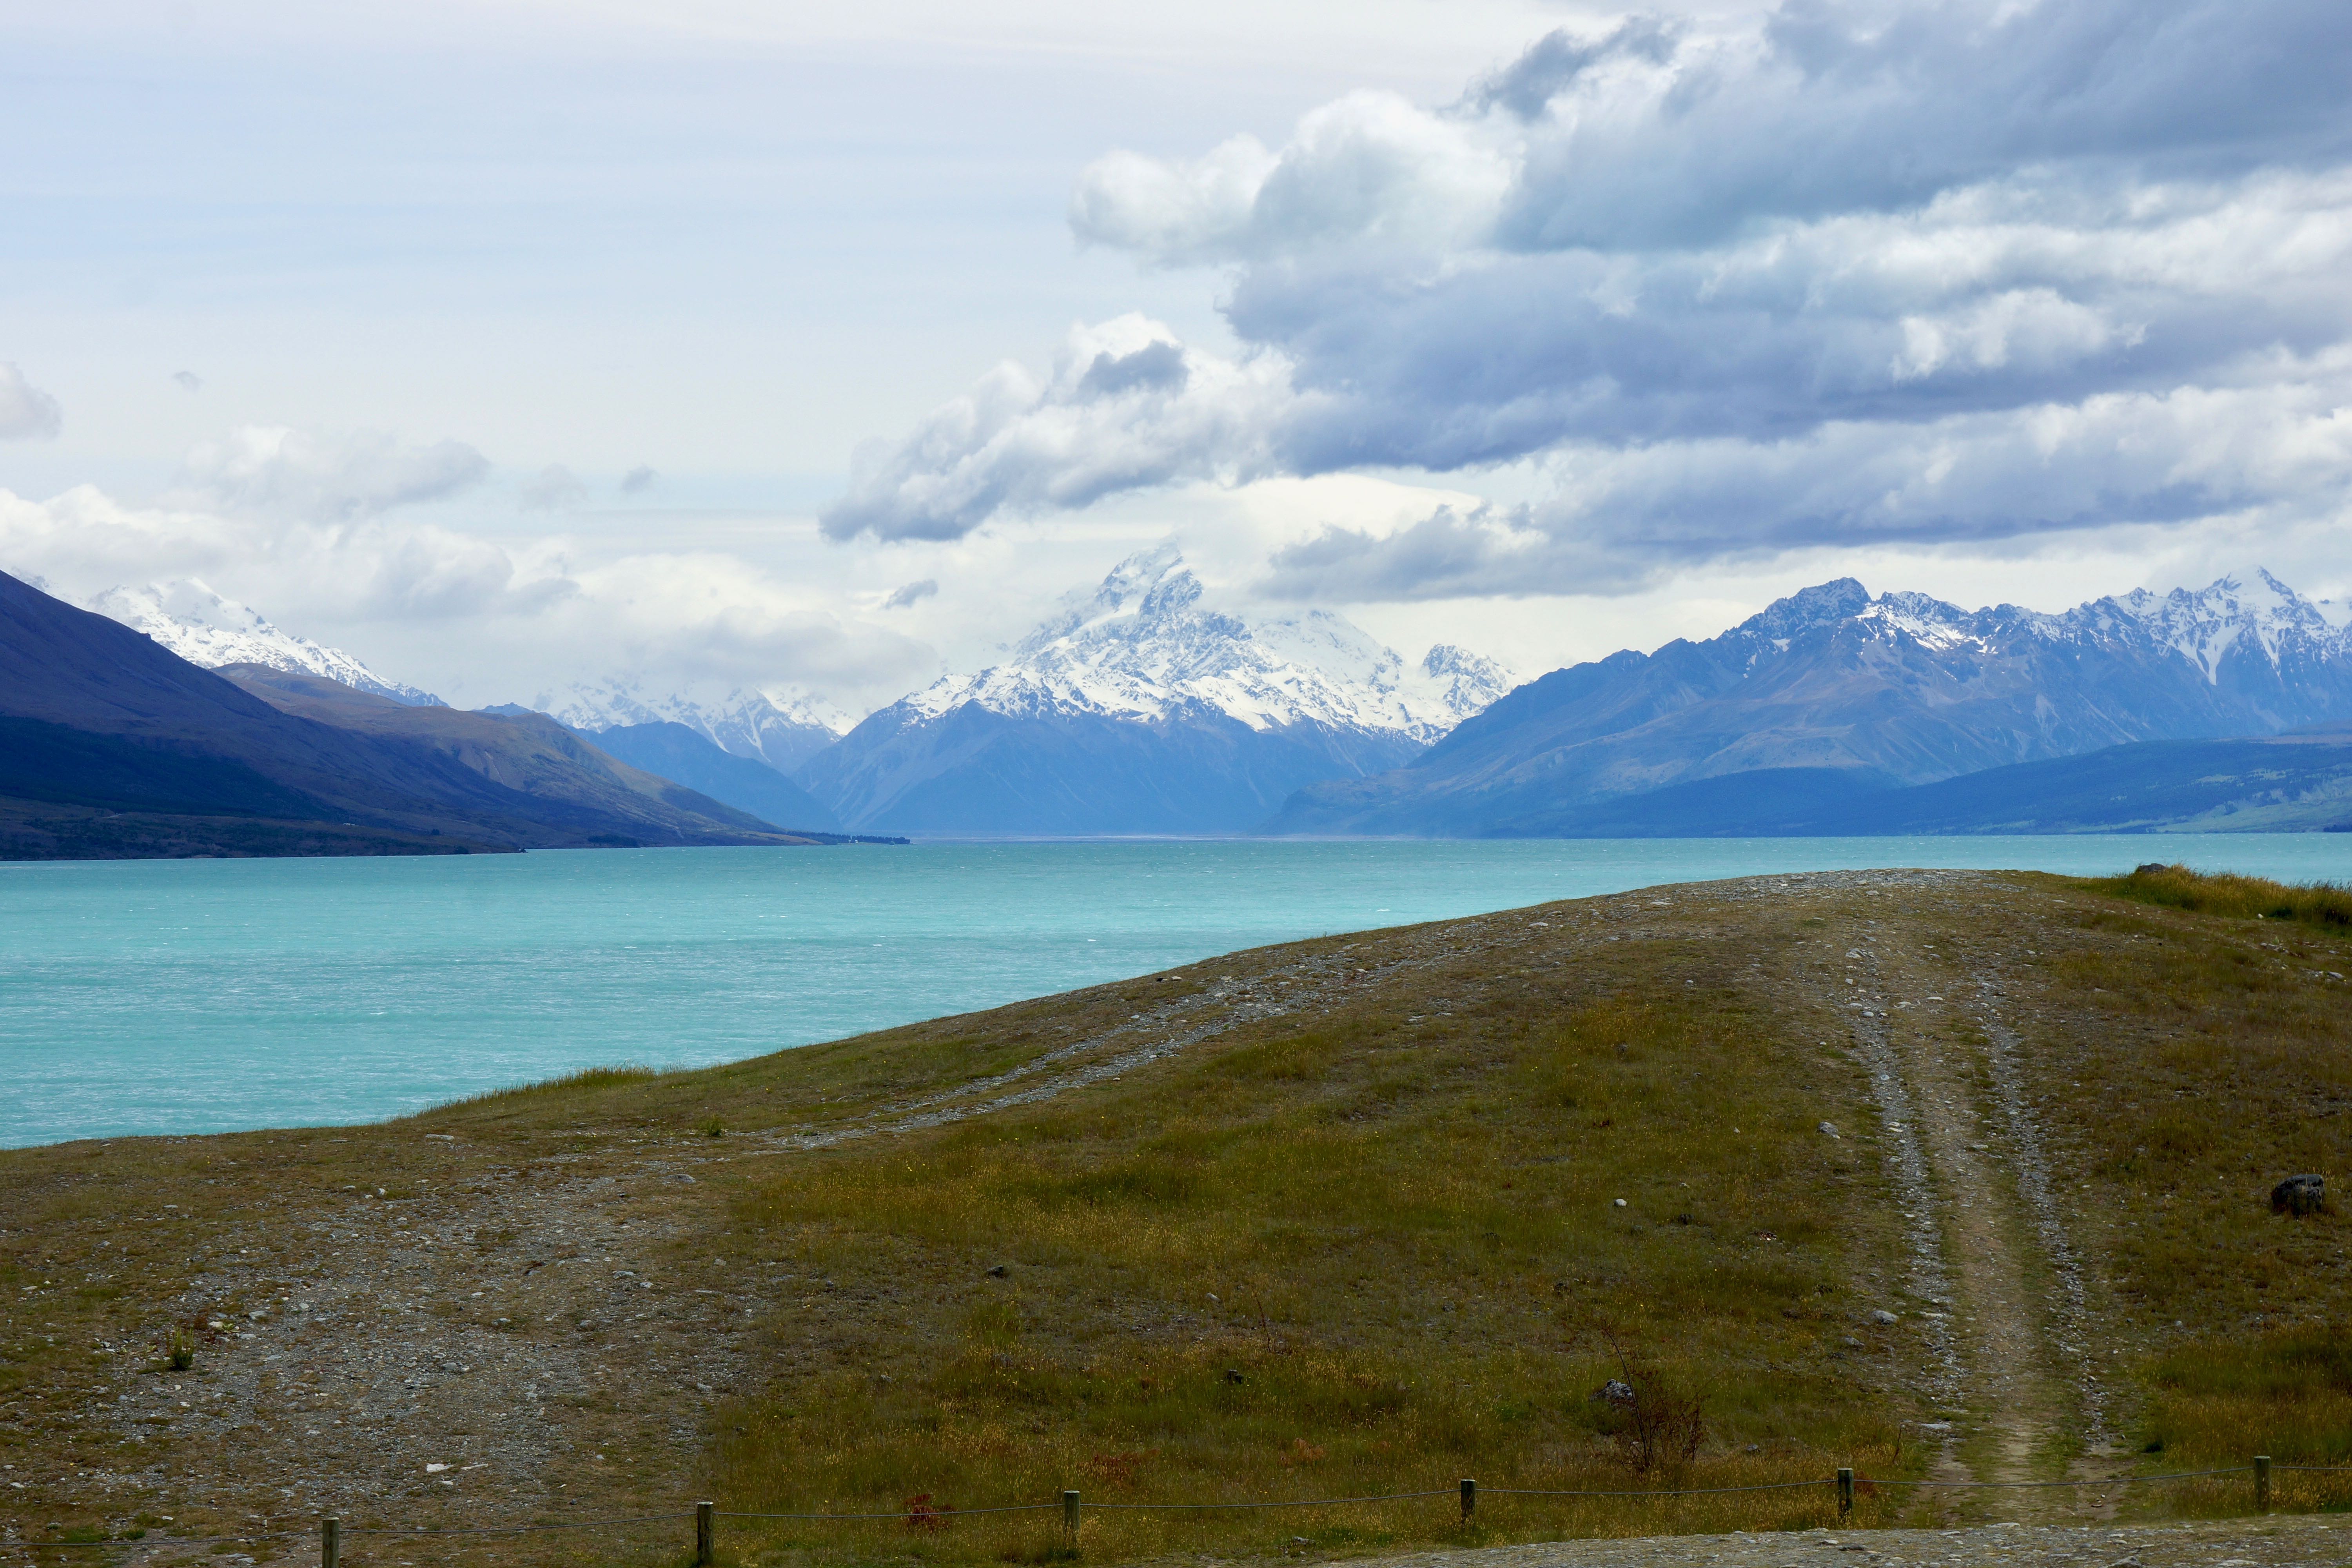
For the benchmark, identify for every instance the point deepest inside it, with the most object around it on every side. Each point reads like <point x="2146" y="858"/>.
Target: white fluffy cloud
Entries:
<point x="272" y="470"/>
<point x="315" y="541"/>
<point x="1848" y="272"/>
<point x="26" y="411"/>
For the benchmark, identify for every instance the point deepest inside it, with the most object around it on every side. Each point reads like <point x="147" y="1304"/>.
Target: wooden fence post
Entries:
<point x="1070" y="1515"/>
<point x="2261" y="1483"/>
<point x="330" y="1542"/>
<point x="705" y="1535"/>
<point x="1845" y="1490"/>
<point x="1469" y="1499"/>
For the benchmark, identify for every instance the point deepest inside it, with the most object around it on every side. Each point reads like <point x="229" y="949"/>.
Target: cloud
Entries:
<point x="553" y="489"/>
<point x="27" y="412"/>
<point x="373" y="568"/>
<point x="188" y="380"/>
<point x="1124" y="406"/>
<point x="273" y="471"/>
<point x="638" y="480"/>
<point x="2279" y="453"/>
<point x="477" y="620"/>
<point x="911" y="594"/>
<point x="1843" y="271"/>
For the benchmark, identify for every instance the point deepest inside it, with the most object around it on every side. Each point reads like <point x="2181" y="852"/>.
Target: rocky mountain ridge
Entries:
<point x="1865" y="692"/>
<point x="783" y="729"/>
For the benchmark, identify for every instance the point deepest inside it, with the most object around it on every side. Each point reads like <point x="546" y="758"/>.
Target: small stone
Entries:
<point x="1621" y="1203"/>
<point x="2299" y="1196"/>
<point x="997" y="1271"/>
<point x="1829" y="1130"/>
<point x="1882" y="1317"/>
<point x="1233" y="1374"/>
<point x="1614" y="1391"/>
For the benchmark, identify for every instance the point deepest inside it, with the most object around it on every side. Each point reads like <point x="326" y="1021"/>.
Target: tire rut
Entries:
<point x="1998" y="1286"/>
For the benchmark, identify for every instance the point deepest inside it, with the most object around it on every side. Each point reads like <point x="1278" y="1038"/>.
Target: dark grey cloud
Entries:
<point x="26" y="413"/>
<point x="1155" y="367"/>
<point x="1124" y="407"/>
<point x="1976" y="239"/>
<point x="911" y="594"/>
<point x="1551" y="67"/>
<point x="1620" y="516"/>
<point x="638" y="480"/>
<point x="1840" y="108"/>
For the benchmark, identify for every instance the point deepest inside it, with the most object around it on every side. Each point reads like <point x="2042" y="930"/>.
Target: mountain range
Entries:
<point x="1834" y="694"/>
<point x="111" y="746"/>
<point x="1140" y="707"/>
<point x="783" y="735"/>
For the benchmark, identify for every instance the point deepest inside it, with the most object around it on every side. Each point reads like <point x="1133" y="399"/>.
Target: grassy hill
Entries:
<point x="1942" y="1175"/>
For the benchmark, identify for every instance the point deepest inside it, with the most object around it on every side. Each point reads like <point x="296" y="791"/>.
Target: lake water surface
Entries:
<point x="183" y="996"/>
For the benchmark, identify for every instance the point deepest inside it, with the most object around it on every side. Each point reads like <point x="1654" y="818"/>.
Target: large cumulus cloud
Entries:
<point x="1846" y="271"/>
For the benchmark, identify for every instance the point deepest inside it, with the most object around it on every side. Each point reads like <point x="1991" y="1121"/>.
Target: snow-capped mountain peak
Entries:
<point x="1461" y="681"/>
<point x="782" y="729"/>
<point x="190" y="619"/>
<point x="2250" y="609"/>
<point x="1143" y="643"/>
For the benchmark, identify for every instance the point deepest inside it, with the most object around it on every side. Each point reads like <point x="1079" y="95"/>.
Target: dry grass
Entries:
<point x="1360" y="1257"/>
<point x="2208" y="1059"/>
<point x="1371" y="1244"/>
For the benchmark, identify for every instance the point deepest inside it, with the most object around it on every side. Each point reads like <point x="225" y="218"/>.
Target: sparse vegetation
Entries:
<point x="1367" y="1243"/>
<point x="2326" y="905"/>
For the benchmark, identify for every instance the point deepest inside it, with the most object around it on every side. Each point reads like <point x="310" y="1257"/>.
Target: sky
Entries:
<point x="820" y="349"/>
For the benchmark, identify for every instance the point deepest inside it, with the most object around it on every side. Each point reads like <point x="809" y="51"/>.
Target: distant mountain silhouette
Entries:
<point x="688" y="757"/>
<point x="115" y="746"/>
<point x="1832" y="695"/>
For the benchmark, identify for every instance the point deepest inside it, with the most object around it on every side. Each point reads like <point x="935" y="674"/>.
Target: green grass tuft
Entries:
<point x="2326" y="905"/>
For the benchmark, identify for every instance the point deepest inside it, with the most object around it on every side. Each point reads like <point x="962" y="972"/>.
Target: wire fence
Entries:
<point x="330" y="1531"/>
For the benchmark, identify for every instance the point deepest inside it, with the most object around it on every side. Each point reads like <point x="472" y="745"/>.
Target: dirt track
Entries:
<point x="2229" y="1543"/>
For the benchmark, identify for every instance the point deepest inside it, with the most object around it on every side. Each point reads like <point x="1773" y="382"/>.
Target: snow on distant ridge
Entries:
<point x="2250" y="611"/>
<point x="783" y="729"/>
<point x="1142" y="645"/>
<point x="2252" y="608"/>
<point x="188" y="618"/>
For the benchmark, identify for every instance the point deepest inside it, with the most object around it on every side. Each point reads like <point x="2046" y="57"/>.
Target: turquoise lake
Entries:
<point x="180" y="996"/>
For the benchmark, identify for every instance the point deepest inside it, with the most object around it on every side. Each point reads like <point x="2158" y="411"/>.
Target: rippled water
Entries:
<point x="201" y="996"/>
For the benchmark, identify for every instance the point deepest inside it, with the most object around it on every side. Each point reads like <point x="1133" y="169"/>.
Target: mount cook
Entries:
<point x="1136" y="708"/>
